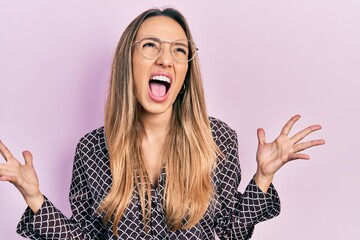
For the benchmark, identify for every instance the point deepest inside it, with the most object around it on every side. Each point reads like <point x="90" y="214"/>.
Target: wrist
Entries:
<point x="35" y="202"/>
<point x="264" y="177"/>
<point x="263" y="181"/>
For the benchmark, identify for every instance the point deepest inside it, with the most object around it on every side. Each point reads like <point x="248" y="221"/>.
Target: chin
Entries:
<point x="156" y="108"/>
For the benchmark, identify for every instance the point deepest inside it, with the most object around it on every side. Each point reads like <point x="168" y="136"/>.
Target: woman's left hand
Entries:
<point x="272" y="156"/>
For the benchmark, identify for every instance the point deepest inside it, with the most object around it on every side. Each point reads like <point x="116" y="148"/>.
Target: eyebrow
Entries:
<point x="155" y="37"/>
<point x="180" y="43"/>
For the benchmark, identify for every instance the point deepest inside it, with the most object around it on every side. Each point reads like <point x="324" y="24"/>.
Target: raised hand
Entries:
<point x="272" y="156"/>
<point x="23" y="177"/>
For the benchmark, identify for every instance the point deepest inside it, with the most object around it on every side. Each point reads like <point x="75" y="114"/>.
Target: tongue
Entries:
<point x="157" y="89"/>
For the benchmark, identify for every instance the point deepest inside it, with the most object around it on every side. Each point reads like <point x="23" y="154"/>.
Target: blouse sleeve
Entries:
<point x="50" y="223"/>
<point x="238" y="213"/>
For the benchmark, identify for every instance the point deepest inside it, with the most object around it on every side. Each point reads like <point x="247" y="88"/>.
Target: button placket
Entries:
<point x="155" y="200"/>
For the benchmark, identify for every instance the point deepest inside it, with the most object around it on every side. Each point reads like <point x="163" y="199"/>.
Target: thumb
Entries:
<point x="28" y="158"/>
<point x="261" y="136"/>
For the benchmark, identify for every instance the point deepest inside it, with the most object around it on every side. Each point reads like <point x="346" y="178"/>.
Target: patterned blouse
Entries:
<point x="232" y="215"/>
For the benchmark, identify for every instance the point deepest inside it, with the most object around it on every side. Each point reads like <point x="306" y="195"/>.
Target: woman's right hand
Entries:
<point x="23" y="177"/>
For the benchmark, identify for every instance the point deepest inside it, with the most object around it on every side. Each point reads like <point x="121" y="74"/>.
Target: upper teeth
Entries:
<point x="161" y="78"/>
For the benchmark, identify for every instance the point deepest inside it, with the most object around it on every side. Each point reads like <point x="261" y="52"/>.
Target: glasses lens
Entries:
<point x="150" y="47"/>
<point x="183" y="50"/>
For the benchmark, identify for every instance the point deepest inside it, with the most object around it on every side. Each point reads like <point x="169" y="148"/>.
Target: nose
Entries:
<point x="165" y="59"/>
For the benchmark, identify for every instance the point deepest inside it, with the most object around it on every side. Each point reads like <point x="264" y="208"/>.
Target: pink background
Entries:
<point x="262" y="62"/>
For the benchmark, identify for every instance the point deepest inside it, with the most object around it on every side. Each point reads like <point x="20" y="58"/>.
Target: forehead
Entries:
<point x="162" y="27"/>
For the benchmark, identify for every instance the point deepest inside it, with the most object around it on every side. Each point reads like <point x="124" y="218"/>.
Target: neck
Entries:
<point x="156" y="126"/>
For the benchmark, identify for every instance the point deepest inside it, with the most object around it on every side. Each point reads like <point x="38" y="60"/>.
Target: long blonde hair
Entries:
<point x="189" y="154"/>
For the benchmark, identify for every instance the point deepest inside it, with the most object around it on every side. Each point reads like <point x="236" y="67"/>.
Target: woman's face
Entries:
<point x="157" y="82"/>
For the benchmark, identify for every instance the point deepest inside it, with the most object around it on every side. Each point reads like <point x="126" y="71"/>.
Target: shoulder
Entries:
<point x="218" y="127"/>
<point x="222" y="133"/>
<point x="93" y="141"/>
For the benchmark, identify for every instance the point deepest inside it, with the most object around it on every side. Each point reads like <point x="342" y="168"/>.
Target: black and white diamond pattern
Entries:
<point x="232" y="215"/>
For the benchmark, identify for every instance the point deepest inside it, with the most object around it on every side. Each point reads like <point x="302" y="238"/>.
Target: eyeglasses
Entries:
<point x="151" y="47"/>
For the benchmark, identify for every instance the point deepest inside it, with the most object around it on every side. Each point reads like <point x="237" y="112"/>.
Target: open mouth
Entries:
<point x="159" y="85"/>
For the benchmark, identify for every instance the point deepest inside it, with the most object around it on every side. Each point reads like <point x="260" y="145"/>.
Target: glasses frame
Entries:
<point x="162" y="48"/>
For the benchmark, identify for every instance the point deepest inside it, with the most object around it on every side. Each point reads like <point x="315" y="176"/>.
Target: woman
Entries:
<point x="160" y="167"/>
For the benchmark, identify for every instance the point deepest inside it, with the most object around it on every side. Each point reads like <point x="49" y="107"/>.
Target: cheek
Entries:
<point x="135" y="68"/>
<point x="182" y="73"/>
<point x="137" y="72"/>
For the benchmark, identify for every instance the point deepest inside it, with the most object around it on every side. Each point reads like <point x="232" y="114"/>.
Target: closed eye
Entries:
<point x="181" y="49"/>
<point x="149" y="44"/>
